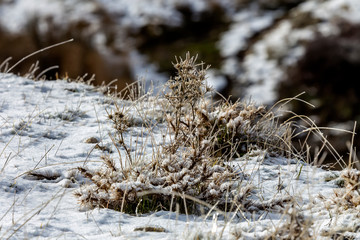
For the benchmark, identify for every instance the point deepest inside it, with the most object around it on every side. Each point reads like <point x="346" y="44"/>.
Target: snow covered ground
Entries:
<point x="48" y="128"/>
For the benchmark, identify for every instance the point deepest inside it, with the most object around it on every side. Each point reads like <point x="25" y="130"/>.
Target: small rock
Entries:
<point x="150" y="229"/>
<point x="103" y="148"/>
<point x="92" y="140"/>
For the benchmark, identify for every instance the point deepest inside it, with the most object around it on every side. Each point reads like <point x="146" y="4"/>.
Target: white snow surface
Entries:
<point x="44" y="125"/>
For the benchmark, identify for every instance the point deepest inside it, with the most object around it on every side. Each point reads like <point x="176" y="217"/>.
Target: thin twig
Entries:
<point x="36" y="52"/>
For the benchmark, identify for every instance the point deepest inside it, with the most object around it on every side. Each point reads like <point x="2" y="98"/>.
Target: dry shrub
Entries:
<point x="193" y="163"/>
<point x="296" y="227"/>
<point x="232" y="127"/>
<point x="348" y="197"/>
<point x="344" y="201"/>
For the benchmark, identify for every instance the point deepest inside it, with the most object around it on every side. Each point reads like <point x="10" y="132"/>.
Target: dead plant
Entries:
<point x="296" y="227"/>
<point x="349" y="196"/>
<point x="202" y="138"/>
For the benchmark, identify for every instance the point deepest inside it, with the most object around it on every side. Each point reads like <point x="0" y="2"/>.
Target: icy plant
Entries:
<point x="296" y="227"/>
<point x="191" y="169"/>
<point x="349" y="196"/>
<point x="230" y="127"/>
<point x="186" y="90"/>
<point x="121" y="123"/>
<point x="143" y="189"/>
<point x="240" y="126"/>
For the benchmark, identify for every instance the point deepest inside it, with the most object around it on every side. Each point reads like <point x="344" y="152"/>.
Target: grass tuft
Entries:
<point x="193" y="163"/>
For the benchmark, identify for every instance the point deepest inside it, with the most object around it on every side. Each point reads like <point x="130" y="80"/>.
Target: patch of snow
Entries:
<point x="143" y="70"/>
<point x="341" y="9"/>
<point x="215" y="80"/>
<point x="246" y="24"/>
<point x="264" y="65"/>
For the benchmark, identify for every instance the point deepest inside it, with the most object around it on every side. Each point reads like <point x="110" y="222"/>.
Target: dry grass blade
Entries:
<point x="39" y="51"/>
<point x="5" y="65"/>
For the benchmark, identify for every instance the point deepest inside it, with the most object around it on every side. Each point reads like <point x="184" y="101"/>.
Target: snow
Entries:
<point x="281" y="46"/>
<point x="344" y="9"/>
<point x="44" y="126"/>
<point x="246" y="24"/>
<point x="263" y="66"/>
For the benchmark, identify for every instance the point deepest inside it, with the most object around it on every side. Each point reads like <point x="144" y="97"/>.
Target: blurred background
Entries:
<point x="263" y="50"/>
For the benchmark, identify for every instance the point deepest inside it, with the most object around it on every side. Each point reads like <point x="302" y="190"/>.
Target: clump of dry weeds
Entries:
<point x="295" y="227"/>
<point x="231" y="127"/>
<point x="193" y="163"/>
<point x="349" y="196"/>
